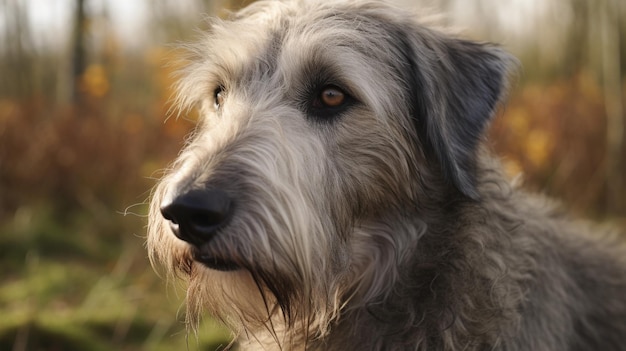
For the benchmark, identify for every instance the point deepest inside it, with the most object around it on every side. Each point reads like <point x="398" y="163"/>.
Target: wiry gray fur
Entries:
<point x="385" y="224"/>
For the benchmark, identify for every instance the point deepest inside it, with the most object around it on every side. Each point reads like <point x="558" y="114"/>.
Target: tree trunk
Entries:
<point x="614" y="110"/>
<point x="79" y="59"/>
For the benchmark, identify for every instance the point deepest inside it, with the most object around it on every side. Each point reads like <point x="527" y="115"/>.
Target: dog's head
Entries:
<point x="322" y="122"/>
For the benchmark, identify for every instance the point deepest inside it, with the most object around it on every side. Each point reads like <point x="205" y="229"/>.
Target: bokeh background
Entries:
<point x="84" y="133"/>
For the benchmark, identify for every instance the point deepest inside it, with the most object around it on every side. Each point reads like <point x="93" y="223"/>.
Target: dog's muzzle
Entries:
<point x="195" y="217"/>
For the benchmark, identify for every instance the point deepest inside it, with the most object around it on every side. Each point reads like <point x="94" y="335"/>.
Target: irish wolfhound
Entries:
<point x="337" y="195"/>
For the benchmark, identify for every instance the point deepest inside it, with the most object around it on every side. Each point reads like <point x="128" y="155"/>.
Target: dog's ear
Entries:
<point x="457" y="85"/>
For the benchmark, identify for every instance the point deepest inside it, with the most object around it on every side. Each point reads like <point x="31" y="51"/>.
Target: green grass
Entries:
<point x="74" y="285"/>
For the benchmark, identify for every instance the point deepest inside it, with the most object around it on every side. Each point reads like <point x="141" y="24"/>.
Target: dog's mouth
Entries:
<point x="214" y="262"/>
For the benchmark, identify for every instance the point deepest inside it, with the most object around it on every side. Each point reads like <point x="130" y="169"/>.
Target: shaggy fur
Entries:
<point x="380" y="222"/>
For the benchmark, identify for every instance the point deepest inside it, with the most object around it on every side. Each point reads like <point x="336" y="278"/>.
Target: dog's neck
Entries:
<point x="441" y="274"/>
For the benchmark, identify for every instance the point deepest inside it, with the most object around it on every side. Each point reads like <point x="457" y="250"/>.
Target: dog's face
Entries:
<point x="318" y="121"/>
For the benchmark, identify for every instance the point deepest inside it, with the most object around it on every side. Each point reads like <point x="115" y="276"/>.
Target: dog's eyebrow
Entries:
<point x="317" y="74"/>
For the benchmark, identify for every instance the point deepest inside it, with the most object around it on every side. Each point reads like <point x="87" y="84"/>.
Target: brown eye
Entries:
<point x="219" y="96"/>
<point x="328" y="103"/>
<point x="332" y="97"/>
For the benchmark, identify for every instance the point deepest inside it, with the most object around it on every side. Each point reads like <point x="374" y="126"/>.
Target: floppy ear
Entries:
<point x="458" y="85"/>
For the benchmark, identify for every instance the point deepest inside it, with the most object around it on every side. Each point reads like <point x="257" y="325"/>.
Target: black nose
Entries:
<point x="195" y="216"/>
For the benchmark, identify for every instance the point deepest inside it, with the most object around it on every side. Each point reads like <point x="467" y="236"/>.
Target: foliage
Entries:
<point x="74" y="181"/>
<point x="554" y="135"/>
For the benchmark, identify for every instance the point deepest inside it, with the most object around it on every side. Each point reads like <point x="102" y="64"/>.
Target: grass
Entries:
<point x="63" y="288"/>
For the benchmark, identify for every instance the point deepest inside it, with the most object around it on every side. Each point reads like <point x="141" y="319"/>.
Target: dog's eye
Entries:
<point x="329" y="102"/>
<point x="218" y="97"/>
<point x="330" y="97"/>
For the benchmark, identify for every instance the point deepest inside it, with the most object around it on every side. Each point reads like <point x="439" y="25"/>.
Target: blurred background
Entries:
<point x="84" y="95"/>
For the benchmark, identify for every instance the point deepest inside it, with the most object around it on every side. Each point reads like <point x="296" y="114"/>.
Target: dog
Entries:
<point x="338" y="194"/>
